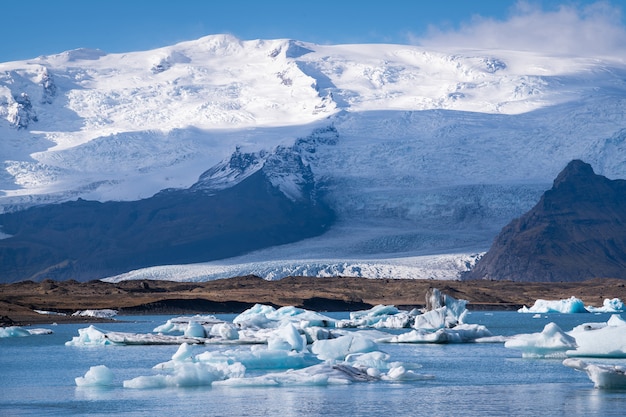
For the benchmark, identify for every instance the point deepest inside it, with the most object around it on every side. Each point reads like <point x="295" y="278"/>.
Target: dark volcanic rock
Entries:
<point x="87" y="240"/>
<point x="577" y="231"/>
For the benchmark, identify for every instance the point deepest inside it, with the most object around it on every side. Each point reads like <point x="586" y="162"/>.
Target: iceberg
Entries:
<point x="614" y="305"/>
<point x="602" y="376"/>
<point x="568" y="306"/>
<point x="96" y="376"/>
<point x="338" y="349"/>
<point x="180" y="324"/>
<point x="463" y="333"/>
<point x="16" y="331"/>
<point x="92" y="336"/>
<point x="265" y="316"/>
<point x="441" y="311"/>
<point x="551" y="342"/>
<point x="600" y="339"/>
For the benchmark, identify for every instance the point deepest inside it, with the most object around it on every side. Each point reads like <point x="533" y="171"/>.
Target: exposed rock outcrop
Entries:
<point x="577" y="231"/>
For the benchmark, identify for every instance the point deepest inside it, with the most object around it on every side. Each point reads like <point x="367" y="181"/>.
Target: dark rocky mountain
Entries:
<point x="86" y="240"/>
<point x="577" y="231"/>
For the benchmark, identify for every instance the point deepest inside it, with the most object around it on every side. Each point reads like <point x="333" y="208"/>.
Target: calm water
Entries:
<point x="37" y="379"/>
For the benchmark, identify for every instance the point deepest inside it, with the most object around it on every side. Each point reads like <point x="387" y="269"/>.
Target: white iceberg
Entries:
<point x="602" y="376"/>
<point x="600" y="339"/>
<point x="568" y="306"/>
<point x="96" y="376"/>
<point x="338" y="349"/>
<point x="551" y="342"/>
<point x="610" y="305"/>
<point x="92" y="336"/>
<point x="606" y="340"/>
<point x="180" y="324"/>
<point x="442" y="311"/>
<point x="16" y="331"/>
<point x="463" y="333"/>
<point x="265" y="316"/>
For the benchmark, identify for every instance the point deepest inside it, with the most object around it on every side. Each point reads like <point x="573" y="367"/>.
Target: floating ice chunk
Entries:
<point x="316" y="333"/>
<point x="602" y="376"/>
<point x="96" y="376"/>
<point x="400" y="374"/>
<point x="256" y="316"/>
<point x="463" y="333"/>
<point x="259" y="357"/>
<point x="13" y="331"/>
<point x="614" y="305"/>
<point x="340" y="348"/>
<point x="180" y="324"/>
<point x="380" y="317"/>
<point x="168" y="327"/>
<point x="104" y="313"/>
<point x="570" y="305"/>
<point x="92" y="336"/>
<point x="551" y="342"/>
<point x="195" y="329"/>
<point x="600" y="339"/>
<point x="376" y="311"/>
<point x="287" y="337"/>
<point x="264" y="316"/>
<point x="89" y="336"/>
<point x="187" y="374"/>
<point x="225" y="331"/>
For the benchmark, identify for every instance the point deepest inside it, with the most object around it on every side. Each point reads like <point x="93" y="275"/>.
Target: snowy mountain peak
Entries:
<point x="416" y="150"/>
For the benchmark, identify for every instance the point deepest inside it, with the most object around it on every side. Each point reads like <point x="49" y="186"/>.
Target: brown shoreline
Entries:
<point x="233" y="295"/>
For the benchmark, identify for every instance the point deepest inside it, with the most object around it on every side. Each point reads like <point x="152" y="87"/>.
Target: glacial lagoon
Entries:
<point x="40" y="374"/>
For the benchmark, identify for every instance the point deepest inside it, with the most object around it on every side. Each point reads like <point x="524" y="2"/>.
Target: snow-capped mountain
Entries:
<point x="418" y="152"/>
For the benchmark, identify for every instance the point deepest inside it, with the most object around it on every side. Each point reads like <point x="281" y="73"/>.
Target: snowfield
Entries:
<point x="423" y="154"/>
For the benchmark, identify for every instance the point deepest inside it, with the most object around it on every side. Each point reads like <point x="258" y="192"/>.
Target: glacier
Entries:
<point x="423" y="154"/>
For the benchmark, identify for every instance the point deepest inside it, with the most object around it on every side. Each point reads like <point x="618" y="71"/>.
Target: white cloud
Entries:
<point x="594" y="30"/>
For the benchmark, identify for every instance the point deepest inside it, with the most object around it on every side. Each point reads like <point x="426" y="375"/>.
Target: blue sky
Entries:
<point x="30" y="28"/>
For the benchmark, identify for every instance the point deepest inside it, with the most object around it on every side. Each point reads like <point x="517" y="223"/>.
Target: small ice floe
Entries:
<point x="602" y="376"/>
<point x="568" y="306"/>
<point x="551" y="342"/>
<point x="180" y="324"/>
<point x="92" y="336"/>
<point x="613" y="305"/>
<point x="96" y="376"/>
<point x="102" y="314"/>
<point x="600" y="339"/>
<point x="16" y="331"/>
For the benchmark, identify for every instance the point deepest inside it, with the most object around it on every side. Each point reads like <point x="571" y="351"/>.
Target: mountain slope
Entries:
<point x="87" y="239"/>
<point x="577" y="231"/>
<point x="417" y="152"/>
